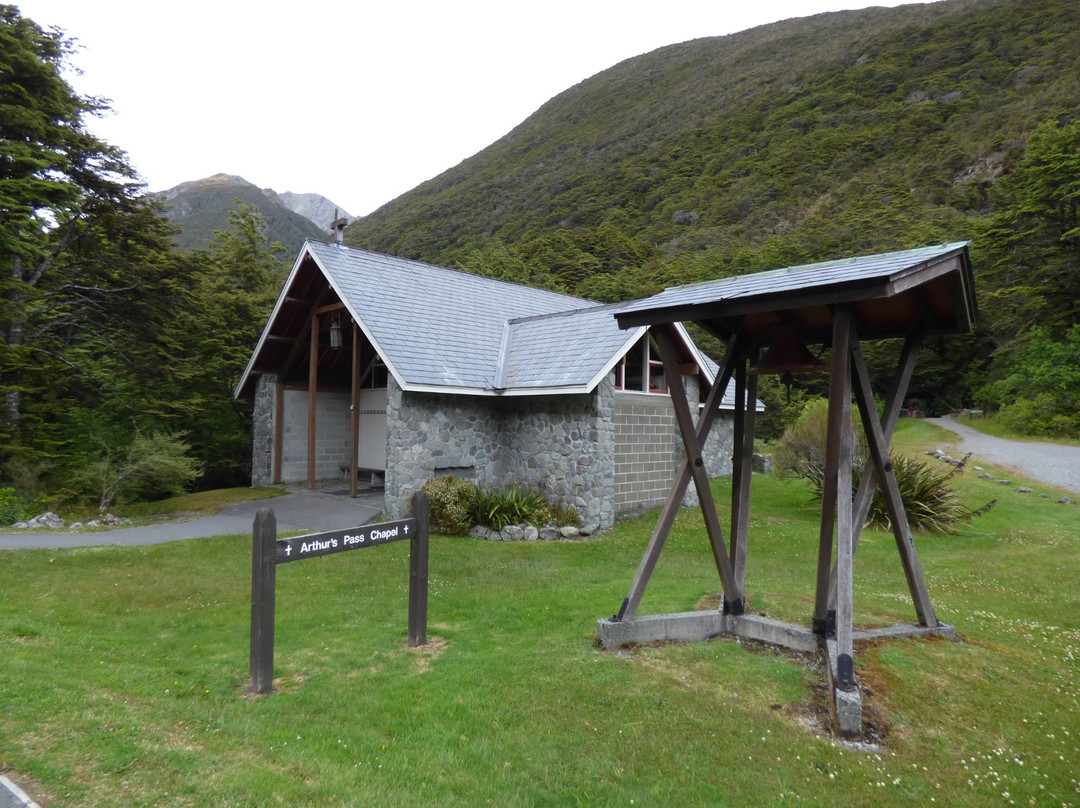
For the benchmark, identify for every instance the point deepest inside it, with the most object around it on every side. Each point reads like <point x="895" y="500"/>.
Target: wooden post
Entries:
<point x="840" y="421"/>
<point x="279" y="427"/>
<point x="869" y="481"/>
<point x="354" y="420"/>
<point x="742" y="466"/>
<point x="313" y="398"/>
<point x="263" y="583"/>
<point x="418" y="571"/>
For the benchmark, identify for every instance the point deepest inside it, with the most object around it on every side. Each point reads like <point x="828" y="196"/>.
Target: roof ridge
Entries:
<point x="845" y="261"/>
<point x="569" y="312"/>
<point x="441" y="268"/>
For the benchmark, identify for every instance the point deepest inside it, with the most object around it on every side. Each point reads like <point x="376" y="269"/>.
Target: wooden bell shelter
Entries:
<point x="767" y="320"/>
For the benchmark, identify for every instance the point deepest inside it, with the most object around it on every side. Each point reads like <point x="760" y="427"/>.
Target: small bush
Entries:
<point x="564" y="515"/>
<point x="512" y="506"/>
<point x="801" y="451"/>
<point x="930" y="501"/>
<point x="929" y="498"/>
<point x="456" y="505"/>
<point x="451" y="503"/>
<point x="12" y="507"/>
<point x="151" y="467"/>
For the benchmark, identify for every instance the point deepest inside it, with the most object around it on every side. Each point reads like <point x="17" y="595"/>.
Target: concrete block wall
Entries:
<point x="332" y="430"/>
<point x="647" y="450"/>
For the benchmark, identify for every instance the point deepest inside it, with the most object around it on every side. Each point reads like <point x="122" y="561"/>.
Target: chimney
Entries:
<point x="338" y="227"/>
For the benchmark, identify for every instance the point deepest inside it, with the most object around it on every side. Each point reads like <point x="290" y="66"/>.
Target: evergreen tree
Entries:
<point x="89" y="275"/>
<point x="238" y="277"/>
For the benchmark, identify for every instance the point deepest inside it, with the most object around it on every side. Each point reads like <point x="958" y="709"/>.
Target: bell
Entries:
<point x="787" y="354"/>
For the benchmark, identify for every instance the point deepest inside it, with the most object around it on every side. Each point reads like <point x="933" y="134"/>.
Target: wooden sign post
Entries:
<point x="268" y="551"/>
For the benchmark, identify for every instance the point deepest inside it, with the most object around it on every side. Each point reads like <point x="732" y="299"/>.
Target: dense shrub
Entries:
<point x="450" y="502"/>
<point x="801" y="450"/>
<point x="457" y="505"/>
<point x="512" y="506"/>
<point x="930" y="500"/>
<point x="12" y="507"/>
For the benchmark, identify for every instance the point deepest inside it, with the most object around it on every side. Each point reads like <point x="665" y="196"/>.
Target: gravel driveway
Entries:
<point x="1048" y="463"/>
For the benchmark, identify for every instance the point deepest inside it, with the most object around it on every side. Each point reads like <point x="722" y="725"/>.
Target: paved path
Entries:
<point x="1048" y="463"/>
<point x="304" y="510"/>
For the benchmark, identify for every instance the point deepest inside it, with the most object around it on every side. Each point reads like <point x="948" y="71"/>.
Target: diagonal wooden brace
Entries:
<point x="736" y="351"/>
<point x="696" y="463"/>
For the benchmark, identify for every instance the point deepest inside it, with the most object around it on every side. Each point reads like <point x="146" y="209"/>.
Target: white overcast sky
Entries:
<point x="359" y="101"/>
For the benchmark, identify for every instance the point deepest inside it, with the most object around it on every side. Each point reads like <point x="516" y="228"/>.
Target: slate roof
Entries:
<point x="434" y="327"/>
<point x="442" y="330"/>
<point x="889" y="290"/>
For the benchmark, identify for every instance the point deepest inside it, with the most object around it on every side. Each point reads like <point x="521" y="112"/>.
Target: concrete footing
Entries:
<point x="691" y="626"/>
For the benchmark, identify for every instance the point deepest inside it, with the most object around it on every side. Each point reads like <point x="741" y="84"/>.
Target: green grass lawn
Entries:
<point x="123" y="673"/>
<point x="992" y="425"/>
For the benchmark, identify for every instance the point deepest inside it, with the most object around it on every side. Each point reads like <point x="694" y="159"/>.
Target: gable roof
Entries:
<point x="443" y="330"/>
<point x="888" y="292"/>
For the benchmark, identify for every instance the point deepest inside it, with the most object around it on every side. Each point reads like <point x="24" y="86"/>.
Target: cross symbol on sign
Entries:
<point x="406" y="530"/>
<point x="288" y="549"/>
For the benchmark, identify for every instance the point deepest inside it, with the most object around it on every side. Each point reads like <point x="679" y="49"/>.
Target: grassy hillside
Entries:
<point x="839" y="134"/>
<point x="844" y="132"/>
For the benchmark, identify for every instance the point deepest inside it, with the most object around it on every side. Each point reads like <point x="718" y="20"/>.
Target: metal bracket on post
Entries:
<point x="845" y="672"/>
<point x="617" y="618"/>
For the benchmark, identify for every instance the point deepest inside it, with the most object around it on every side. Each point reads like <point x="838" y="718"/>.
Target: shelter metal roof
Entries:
<point x="888" y="292"/>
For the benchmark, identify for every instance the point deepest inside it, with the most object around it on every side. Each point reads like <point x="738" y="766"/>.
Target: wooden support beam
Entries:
<point x="742" y="465"/>
<point x="296" y="352"/>
<point x="893" y="400"/>
<point x="354" y="415"/>
<point x="831" y="493"/>
<point x="879" y="454"/>
<point x="313" y="389"/>
<point x="838" y="483"/>
<point x="678" y="487"/>
<point x="665" y="341"/>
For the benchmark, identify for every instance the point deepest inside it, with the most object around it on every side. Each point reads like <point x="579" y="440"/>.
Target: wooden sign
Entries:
<point x="268" y="551"/>
<point x="356" y="538"/>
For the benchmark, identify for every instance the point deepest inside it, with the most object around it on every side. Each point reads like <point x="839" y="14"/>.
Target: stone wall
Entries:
<point x="262" y="431"/>
<point x="560" y="445"/>
<point x="432" y="433"/>
<point x="564" y="446"/>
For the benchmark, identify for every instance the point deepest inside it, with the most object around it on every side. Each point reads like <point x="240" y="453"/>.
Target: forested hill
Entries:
<point x="201" y="208"/>
<point x="841" y="133"/>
